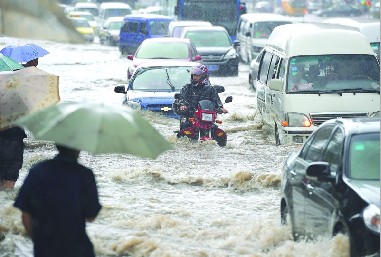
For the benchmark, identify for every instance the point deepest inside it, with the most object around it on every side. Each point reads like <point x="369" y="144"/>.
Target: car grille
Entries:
<point x="160" y="107"/>
<point x="212" y="58"/>
<point x="319" y="118"/>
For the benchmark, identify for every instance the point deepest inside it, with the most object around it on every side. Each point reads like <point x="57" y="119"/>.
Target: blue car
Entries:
<point x="153" y="86"/>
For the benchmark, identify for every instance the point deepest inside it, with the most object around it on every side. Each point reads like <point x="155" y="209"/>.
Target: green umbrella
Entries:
<point x="7" y="64"/>
<point x="96" y="128"/>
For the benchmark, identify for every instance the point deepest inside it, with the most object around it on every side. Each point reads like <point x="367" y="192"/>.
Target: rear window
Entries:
<point x="209" y="38"/>
<point x="163" y="50"/>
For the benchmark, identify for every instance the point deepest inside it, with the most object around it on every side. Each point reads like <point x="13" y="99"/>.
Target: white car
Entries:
<point x="109" y="33"/>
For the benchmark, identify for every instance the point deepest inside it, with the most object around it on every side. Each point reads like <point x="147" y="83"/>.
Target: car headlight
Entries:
<point x="371" y="216"/>
<point x="295" y="119"/>
<point x="134" y="105"/>
<point x="231" y="54"/>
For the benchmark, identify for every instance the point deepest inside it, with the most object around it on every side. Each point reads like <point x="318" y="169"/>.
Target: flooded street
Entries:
<point x="196" y="200"/>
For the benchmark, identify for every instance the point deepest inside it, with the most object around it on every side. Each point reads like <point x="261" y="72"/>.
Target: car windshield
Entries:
<point x="115" y="25"/>
<point x="163" y="50"/>
<point x="264" y="29"/>
<point x="119" y="12"/>
<point x="341" y="73"/>
<point x="81" y="23"/>
<point x="209" y="38"/>
<point x="364" y="157"/>
<point x="161" y="78"/>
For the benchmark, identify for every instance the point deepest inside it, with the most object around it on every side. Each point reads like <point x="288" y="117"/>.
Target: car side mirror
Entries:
<point x="197" y="58"/>
<point x="120" y="89"/>
<point x="130" y="57"/>
<point x="320" y="171"/>
<point x="229" y="99"/>
<point x="276" y="84"/>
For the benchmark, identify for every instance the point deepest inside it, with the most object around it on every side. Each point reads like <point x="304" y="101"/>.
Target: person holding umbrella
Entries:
<point x="57" y="197"/>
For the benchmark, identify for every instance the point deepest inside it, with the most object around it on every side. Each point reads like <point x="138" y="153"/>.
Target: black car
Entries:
<point x="332" y="185"/>
<point x="339" y="11"/>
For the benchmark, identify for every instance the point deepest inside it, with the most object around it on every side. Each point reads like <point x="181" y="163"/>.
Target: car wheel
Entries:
<point x="277" y="135"/>
<point x="342" y="228"/>
<point x="101" y="41"/>
<point x="110" y="42"/>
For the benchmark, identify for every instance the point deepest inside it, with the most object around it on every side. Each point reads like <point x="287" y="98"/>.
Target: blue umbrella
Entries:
<point x="24" y="53"/>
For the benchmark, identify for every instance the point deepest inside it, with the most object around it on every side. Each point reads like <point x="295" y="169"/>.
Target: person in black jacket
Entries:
<point x="199" y="89"/>
<point x="11" y="156"/>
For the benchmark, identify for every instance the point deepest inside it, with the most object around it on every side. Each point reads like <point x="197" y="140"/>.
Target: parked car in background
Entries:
<point x="253" y="71"/>
<point x="215" y="47"/>
<point x="153" y="85"/>
<point x="175" y="27"/>
<point x="87" y="7"/>
<point x="112" y="9"/>
<point x="84" y="28"/>
<point x="263" y="7"/>
<point x="164" y="49"/>
<point x="340" y="10"/>
<point x="332" y="185"/>
<point x="88" y="16"/>
<point x="138" y="27"/>
<point x="109" y="33"/>
<point x="370" y="29"/>
<point x="253" y="30"/>
<point x="293" y="7"/>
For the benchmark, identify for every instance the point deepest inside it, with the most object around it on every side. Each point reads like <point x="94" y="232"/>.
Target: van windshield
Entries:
<point x="264" y="29"/>
<point x="119" y="12"/>
<point x="159" y="27"/>
<point x="333" y="74"/>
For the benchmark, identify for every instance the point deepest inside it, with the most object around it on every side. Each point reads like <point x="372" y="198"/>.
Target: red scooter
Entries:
<point x="203" y="123"/>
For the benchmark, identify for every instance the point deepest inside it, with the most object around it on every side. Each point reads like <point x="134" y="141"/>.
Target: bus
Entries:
<point x="223" y="13"/>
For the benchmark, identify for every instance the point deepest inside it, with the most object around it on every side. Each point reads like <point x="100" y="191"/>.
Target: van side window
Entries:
<point x="273" y="68"/>
<point x="133" y="27"/>
<point x="282" y="69"/>
<point x="264" y="68"/>
<point x="239" y="29"/>
<point x="124" y="28"/>
<point x="143" y="29"/>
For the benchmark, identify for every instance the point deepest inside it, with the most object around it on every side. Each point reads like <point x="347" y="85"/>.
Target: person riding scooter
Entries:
<point x="199" y="89"/>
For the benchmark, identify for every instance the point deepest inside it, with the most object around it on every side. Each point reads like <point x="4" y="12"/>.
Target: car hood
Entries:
<point x="151" y="96"/>
<point x="213" y="50"/>
<point x="137" y="61"/>
<point x="259" y="42"/>
<point x="367" y="190"/>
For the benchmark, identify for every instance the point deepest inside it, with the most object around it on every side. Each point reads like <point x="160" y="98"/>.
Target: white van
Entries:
<point x="253" y="30"/>
<point x="370" y="29"/>
<point x="310" y="73"/>
<point x="112" y="9"/>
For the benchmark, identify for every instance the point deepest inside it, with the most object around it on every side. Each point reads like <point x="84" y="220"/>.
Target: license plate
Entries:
<point x="207" y="117"/>
<point x="213" y="67"/>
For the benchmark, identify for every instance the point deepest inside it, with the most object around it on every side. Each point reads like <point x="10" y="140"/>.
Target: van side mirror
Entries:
<point x="236" y="43"/>
<point x="248" y="34"/>
<point x="130" y="57"/>
<point x="276" y="84"/>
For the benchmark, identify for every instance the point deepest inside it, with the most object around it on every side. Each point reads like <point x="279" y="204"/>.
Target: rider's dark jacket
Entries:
<point x="194" y="94"/>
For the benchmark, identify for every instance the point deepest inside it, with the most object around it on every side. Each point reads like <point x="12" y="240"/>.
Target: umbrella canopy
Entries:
<point x="24" y="53"/>
<point x="96" y="128"/>
<point x="7" y="64"/>
<point x="25" y="91"/>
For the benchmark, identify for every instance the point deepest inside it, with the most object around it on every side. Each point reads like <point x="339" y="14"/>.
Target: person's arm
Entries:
<point x="27" y="222"/>
<point x="217" y="101"/>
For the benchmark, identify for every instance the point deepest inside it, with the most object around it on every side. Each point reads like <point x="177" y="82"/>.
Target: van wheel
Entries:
<point x="277" y="136"/>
